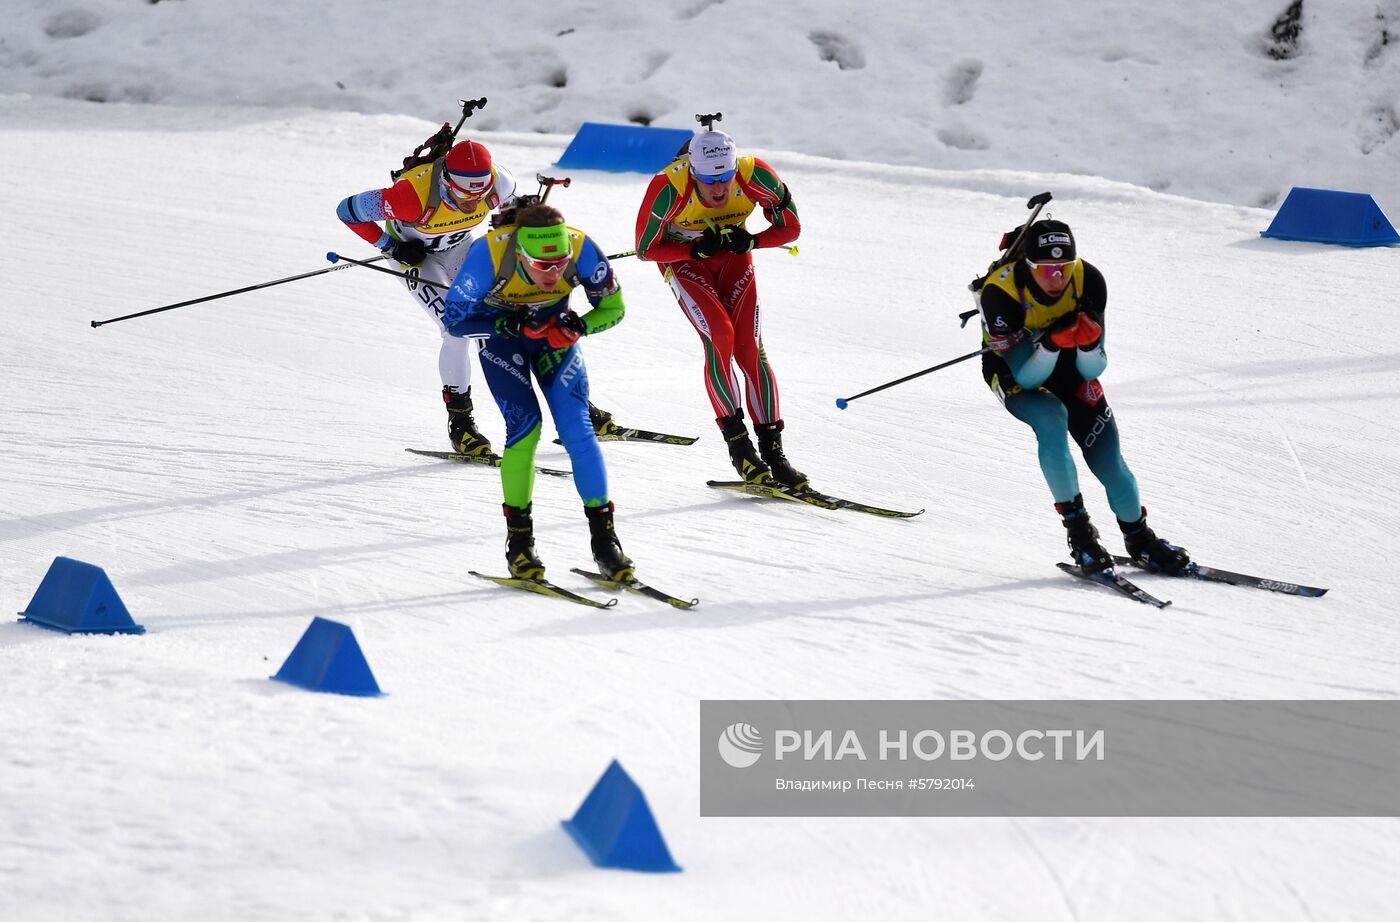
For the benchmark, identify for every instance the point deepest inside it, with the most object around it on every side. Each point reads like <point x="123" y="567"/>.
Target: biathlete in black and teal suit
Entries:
<point x="513" y="291"/>
<point x="1043" y="324"/>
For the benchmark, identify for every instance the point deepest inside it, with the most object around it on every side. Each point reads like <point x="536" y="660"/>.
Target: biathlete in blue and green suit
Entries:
<point x="513" y="291"/>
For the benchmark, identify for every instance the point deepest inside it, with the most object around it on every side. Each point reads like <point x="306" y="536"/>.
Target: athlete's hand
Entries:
<point x="707" y="244"/>
<point x="739" y="240"/>
<point x="510" y="324"/>
<point x="555" y="331"/>
<point x="1076" y="329"/>
<point x="409" y="252"/>
<point x="571" y="321"/>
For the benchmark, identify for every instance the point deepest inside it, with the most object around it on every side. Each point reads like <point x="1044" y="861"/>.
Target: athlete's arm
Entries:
<point x="657" y="204"/>
<point x="465" y="313"/>
<point x="768" y="190"/>
<point x="601" y="287"/>
<point x="361" y="213"/>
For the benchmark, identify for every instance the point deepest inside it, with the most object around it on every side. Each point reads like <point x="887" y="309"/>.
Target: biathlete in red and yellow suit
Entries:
<point x="692" y="224"/>
<point x="428" y="217"/>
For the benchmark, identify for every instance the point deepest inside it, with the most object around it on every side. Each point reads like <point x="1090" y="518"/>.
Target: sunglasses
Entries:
<point x="712" y="180"/>
<point x="477" y="190"/>
<point x="1051" y="272"/>
<point x="542" y="265"/>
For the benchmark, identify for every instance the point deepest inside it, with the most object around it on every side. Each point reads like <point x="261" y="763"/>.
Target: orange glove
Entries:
<point x="561" y="331"/>
<point x="1082" y="332"/>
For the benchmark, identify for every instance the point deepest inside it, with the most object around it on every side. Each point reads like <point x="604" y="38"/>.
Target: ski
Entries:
<point x="772" y="490"/>
<point x="487" y="460"/>
<point x="614" y="433"/>
<point x="1213" y="575"/>
<point x="811" y="497"/>
<point x="637" y="586"/>
<point x="1110" y="580"/>
<point x="861" y="507"/>
<point x="543" y="587"/>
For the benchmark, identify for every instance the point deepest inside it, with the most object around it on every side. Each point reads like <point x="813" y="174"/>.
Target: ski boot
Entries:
<point x="741" y="451"/>
<point x="770" y="446"/>
<point x="520" y="543"/>
<point x="1083" y="538"/>
<point x="601" y="420"/>
<point x="461" y="428"/>
<point x="1151" y="551"/>
<point x="607" y="550"/>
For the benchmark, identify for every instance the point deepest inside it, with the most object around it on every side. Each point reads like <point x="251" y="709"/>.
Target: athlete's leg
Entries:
<point x="739" y="292"/>
<point x="428" y="283"/>
<point x="563" y="379"/>
<point x="696" y="293"/>
<point x="1047" y="417"/>
<point x="509" y="381"/>
<point x="1092" y="424"/>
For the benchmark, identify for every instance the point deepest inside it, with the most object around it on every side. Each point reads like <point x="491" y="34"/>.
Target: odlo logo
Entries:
<point x="740" y="745"/>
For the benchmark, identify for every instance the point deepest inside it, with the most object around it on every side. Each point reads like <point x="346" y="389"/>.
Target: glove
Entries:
<point x="409" y="252"/>
<point x="1080" y="330"/>
<point x="510" y="324"/>
<point x="557" y="331"/>
<point x="707" y="244"/>
<point x="738" y="240"/>
<point x="571" y="321"/>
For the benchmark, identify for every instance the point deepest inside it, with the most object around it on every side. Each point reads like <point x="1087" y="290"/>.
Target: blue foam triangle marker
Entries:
<point x="623" y="148"/>
<point x="78" y="598"/>
<point x="328" y="659"/>
<point x="1327" y="216"/>
<point x="615" y="828"/>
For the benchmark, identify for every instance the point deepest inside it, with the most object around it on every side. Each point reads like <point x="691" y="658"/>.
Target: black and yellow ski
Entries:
<point x="543" y="587"/>
<point x="810" y="497"/>
<point x="637" y="586"/>
<point x="486" y="460"/>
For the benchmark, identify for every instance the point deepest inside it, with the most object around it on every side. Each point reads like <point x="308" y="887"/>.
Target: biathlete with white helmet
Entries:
<point x="513" y="292"/>
<point x="691" y="223"/>
<point x="428" y="214"/>
<point x="1050" y="383"/>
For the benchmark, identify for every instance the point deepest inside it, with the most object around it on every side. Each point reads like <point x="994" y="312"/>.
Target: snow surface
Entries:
<point x="237" y="467"/>
<point x="1179" y="97"/>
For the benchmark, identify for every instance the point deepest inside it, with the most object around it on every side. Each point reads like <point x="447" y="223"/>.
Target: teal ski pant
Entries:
<point x="1082" y="413"/>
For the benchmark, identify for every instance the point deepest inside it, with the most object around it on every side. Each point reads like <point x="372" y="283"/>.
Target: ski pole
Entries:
<point x="226" y="294"/>
<point x="336" y="257"/>
<point x="842" y="402"/>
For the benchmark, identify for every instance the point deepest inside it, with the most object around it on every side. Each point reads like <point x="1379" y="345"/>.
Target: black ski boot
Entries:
<point x="520" y="543"/>
<point x="741" y="451"/>
<point x="461" y="428"/>
<point x="1145" y="547"/>
<point x="601" y="420"/>
<point x="607" y="550"/>
<point x="770" y="446"/>
<point x="1083" y="538"/>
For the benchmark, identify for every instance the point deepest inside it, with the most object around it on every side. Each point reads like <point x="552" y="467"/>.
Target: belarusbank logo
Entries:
<point x="740" y="745"/>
